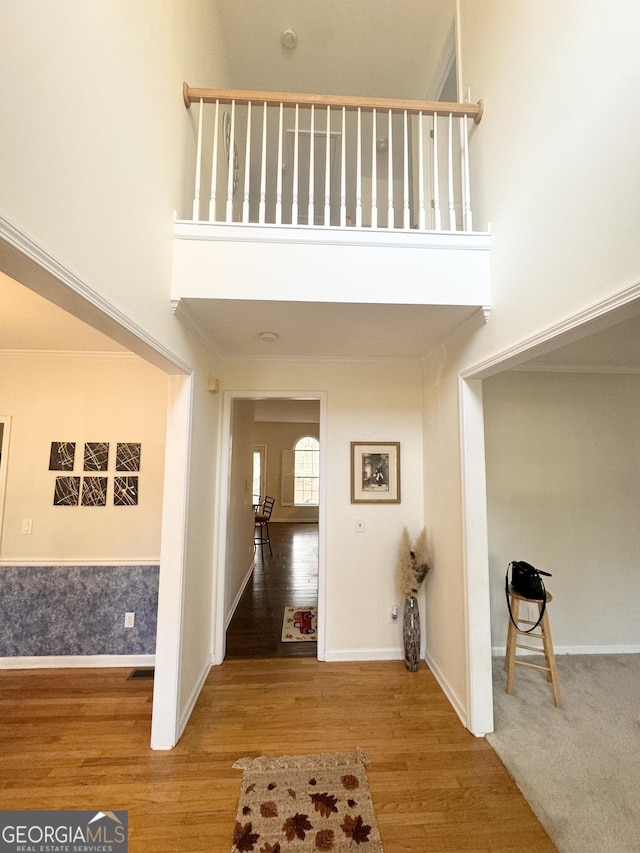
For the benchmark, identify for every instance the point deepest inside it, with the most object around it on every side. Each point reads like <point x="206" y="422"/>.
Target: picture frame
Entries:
<point x="375" y="472"/>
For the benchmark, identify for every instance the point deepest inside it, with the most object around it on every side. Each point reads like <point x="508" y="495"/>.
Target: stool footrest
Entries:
<point x="530" y="648"/>
<point x="533" y="665"/>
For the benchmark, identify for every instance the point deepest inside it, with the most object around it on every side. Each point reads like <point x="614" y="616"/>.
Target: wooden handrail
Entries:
<point x="290" y="99"/>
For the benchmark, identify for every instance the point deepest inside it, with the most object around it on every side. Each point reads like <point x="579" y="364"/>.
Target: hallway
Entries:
<point x="288" y="578"/>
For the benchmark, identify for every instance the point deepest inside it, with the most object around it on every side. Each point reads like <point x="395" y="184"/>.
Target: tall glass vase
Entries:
<point x="411" y="633"/>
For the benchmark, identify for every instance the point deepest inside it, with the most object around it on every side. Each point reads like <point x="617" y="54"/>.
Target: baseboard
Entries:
<point x="275" y="520"/>
<point x="236" y="600"/>
<point x="622" y="649"/>
<point x="80" y="562"/>
<point x="346" y="655"/>
<point x="193" y="698"/>
<point x="77" y="661"/>
<point x="448" y="691"/>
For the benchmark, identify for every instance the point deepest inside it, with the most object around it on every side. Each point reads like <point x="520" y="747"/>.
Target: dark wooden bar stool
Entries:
<point x="263" y="514"/>
<point x="511" y="661"/>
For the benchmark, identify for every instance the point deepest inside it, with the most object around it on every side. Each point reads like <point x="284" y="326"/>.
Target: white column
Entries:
<point x="196" y="194"/>
<point x="374" y="172"/>
<point x="263" y="169"/>
<point x="214" y="167"/>
<point x="327" y="171"/>
<point x="247" y="168"/>
<point x="279" y="167"/>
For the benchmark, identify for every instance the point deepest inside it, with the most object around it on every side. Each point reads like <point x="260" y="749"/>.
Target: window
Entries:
<point x="259" y="454"/>
<point x="306" y="489"/>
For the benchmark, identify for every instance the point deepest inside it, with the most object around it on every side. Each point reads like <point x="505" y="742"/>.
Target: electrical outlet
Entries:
<point x="27" y="525"/>
<point x="129" y="620"/>
<point x="394" y="613"/>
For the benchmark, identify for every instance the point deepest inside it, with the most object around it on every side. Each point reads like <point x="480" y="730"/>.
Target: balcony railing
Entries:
<point x="323" y="161"/>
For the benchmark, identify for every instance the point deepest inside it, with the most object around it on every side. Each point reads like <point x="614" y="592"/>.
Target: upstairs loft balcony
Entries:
<point x="330" y="199"/>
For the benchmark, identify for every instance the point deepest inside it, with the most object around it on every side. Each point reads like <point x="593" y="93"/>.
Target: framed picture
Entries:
<point x="62" y="455"/>
<point x="375" y="472"/>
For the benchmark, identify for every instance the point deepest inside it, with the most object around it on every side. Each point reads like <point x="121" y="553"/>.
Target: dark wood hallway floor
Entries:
<point x="288" y="578"/>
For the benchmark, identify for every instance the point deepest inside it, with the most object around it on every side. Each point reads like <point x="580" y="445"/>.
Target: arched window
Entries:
<point x="306" y="471"/>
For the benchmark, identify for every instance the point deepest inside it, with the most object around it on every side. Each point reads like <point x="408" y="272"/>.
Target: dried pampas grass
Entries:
<point x="413" y="562"/>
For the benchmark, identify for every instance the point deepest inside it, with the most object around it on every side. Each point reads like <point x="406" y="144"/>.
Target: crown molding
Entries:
<point x="189" y="320"/>
<point x="69" y="355"/>
<point x="614" y="309"/>
<point x="16" y="247"/>
<point x="478" y="319"/>
<point x="610" y="369"/>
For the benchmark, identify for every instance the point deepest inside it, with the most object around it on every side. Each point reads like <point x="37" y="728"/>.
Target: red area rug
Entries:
<point x="300" y="624"/>
<point x="305" y="803"/>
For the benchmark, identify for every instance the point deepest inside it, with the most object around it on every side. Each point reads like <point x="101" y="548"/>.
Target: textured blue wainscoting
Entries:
<point x="77" y="610"/>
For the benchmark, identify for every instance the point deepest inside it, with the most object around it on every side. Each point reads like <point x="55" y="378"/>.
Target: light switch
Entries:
<point x="359" y="525"/>
<point x="27" y="524"/>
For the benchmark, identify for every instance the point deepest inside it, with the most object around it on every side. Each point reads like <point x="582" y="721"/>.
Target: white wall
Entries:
<point x="556" y="183"/>
<point x="563" y="462"/>
<point x="74" y="398"/>
<point x="365" y="402"/>
<point x="241" y="514"/>
<point x="97" y="155"/>
<point x="554" y="179"/>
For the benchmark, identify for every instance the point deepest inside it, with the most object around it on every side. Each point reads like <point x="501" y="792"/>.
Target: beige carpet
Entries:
<point x="305" y="803"/>
<point x="579" y="766"/>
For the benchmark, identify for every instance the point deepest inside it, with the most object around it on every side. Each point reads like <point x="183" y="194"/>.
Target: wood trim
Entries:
<point x="290" y="99"/>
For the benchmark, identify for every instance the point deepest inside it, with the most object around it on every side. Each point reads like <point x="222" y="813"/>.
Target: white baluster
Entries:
<point x="263" y="170"/>
<point x="312" y="168"/>
<point x="294" y="203"/>
<point x="437" y="216"/>
<point x="374" y="172"/>
<point x="343" y="173"/>
<point x="247" y="167"/>
<point x="359" y="171"/>
<point x="231" y="158"/>
<point x="422" y="219"/>
<point x="280" y="166"/>
<point x="214" y="167"/>
<point x="327" y="172"/>
<point x="390" y="211"/>
<point x="196" y="195"/>
<point x="406" y="213"/>
<point x="466" y="188"/>
<point x="452" y="208"/>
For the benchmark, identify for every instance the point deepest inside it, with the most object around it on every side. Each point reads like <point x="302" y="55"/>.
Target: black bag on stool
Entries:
<point x="527" y="581"/>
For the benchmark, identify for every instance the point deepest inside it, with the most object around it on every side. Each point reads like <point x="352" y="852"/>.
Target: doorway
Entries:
<point x="254" y="589"/>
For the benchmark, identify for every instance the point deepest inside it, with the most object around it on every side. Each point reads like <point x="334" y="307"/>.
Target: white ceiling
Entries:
<point x="372" y="48"/>
<point x="325" y="330"/>
<point x="30" y="322"/>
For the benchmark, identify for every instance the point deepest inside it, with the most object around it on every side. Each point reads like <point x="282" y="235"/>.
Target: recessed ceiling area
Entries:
<point x="327" y="330"/>
<point x="30" y="322"/>
<point x="372" y="48"/>
<point x="615" y="349"/>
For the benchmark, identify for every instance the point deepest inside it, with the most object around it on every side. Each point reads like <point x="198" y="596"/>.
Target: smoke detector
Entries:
<point x="289" y="39"/>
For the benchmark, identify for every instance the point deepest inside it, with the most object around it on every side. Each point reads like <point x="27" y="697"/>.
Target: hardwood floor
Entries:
<point x="79" y="739"/>
<point x="288" y="578"/>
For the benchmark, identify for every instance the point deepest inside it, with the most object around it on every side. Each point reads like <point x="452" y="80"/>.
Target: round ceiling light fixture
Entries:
<point x="268" y="337"/>
<point x="289" y="39"/>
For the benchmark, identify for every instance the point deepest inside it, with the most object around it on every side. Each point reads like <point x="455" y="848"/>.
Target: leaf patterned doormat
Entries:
<point x="300" y="624"/>
<point x="305" y="803"/>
